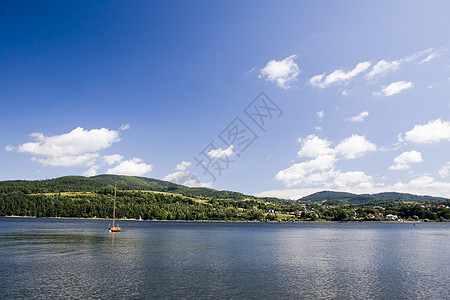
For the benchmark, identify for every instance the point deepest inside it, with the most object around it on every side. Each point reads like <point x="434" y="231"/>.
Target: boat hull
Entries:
<point x="114" y="229"/>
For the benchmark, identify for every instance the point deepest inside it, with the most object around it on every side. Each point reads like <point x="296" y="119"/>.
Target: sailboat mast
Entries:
<point x="114" y="209"/>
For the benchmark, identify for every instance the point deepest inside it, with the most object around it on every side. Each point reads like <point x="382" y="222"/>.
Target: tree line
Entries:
<point x="129" y="204"/>
<point x="167" y="206"/>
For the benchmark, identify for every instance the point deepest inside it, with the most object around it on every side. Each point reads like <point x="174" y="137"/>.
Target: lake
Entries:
<point x="79" y="259"/>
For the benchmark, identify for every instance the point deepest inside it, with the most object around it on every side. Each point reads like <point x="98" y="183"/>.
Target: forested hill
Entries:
<point x="152" y="199"/>
<point x="354" y="198"/>
<point x="104" y="184"/>
<point x="89" y="197"/>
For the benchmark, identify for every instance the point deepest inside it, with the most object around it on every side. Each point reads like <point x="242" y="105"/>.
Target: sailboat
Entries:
<point x="114" y="228"/>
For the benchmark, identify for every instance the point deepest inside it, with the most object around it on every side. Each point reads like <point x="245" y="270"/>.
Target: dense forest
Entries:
<point x="151" y="199"/>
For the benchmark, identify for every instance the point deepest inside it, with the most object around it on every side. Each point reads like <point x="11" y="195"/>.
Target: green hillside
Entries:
<point x="88" y="197"/>
<point x="100" y="182"/>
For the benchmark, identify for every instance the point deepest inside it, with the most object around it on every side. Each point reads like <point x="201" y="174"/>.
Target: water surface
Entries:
<point x="79" y="259"/>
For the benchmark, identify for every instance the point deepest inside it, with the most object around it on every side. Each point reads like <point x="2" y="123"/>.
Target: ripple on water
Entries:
<point x="174" y="260"/>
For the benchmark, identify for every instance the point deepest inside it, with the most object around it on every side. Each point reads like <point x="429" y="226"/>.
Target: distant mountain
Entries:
<point x="354" y="198"/>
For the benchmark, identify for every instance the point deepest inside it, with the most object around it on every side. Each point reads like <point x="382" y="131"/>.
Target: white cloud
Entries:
<point x="318" y="128"/>
<point x="382" y="67"/>
<point x="292" y="194"/>
<point x="178" y="177"/>
<point x="338" y="76"/>
<point x="432" y="85"/>
<point x="342" y="180"/>
<point x="282" y="72"/>
<point x="113" y="159"/>
<point x="320" y="114"/>
<point x="394" y="88"/>
<point x="250" y="71"/>
<point x="181" y="175"/>
<point x="9" y="148"/>
<point x="78" y="141"/>
<point x="132" y="167"/>
<point x="433" y="132"/>
<point x="92" y="171"/>
<point x="421" y="181"/>
<point x="418" y="55"/>
<point x="195" y="182"/>
<point x="81" y="147"/>
<point x="359" y="118"/>
<point x="298" y="173"/>
<point x="319" y="176"/>
<point x="423" y="185"/>
<point x="220" y="153"/>
<point x="404" y="160"/>
<point x="86" y="159"/>
<point x="432" y="54"/>
<point x="78" y="147"/>
<point x="354" y="146"/>
<point x="313" y="146"/>
<point x="183" y="165"/>
<point x="428" y="58"/>
<point x="445" y="170"/>
<point x="124" y="127"/>
<point x="316" y="80"/>
<point x="184" y="177"/>
<point x="321" y="169"/>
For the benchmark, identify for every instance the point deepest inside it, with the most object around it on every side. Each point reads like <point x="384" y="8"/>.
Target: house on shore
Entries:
<point x="391" y="217"/>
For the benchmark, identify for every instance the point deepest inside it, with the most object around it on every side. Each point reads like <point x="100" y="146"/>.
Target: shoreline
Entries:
<point x="220" y="221"/>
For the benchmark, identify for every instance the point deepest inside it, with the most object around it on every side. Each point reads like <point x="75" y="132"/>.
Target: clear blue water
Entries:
<point x="79" y="259"/>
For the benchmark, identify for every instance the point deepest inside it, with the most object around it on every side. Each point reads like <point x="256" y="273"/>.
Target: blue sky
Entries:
<point x="272" y="98"/>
